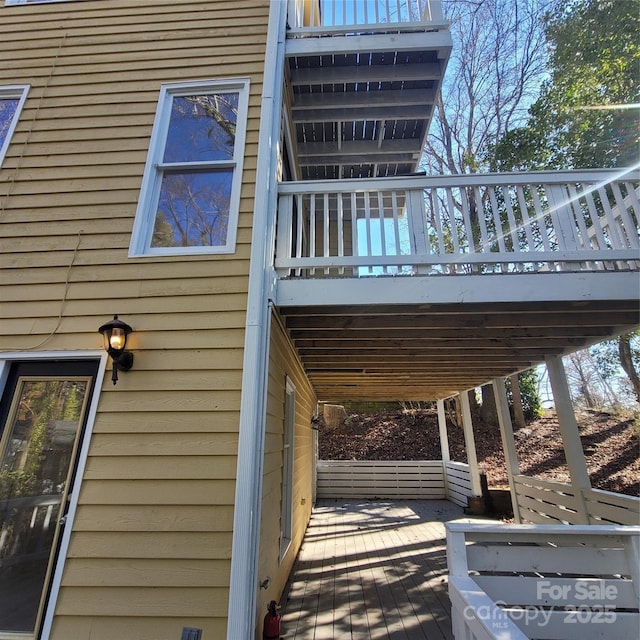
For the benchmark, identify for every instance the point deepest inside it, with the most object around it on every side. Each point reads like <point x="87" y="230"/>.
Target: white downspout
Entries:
<point x="246" y="520"/>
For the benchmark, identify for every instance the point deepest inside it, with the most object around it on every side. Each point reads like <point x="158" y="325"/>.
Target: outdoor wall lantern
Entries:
<point x="115" y="335"/>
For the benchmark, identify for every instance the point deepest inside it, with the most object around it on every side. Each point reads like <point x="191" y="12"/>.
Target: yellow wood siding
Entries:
<point x="284" y="363"/>
<point x="151" y="544"/>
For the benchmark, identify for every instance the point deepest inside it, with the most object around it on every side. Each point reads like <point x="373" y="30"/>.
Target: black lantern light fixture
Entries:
<point x="115" y="335"/>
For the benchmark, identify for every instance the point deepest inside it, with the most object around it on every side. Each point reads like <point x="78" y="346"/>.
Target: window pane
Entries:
<point x="202" y="128"/>
<point x="193" y="210"/>
<point x="8" y="108"/>
<point x="35" y="465"/>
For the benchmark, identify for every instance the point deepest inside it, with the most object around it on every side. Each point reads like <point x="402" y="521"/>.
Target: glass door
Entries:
<point x="42" y="417"/>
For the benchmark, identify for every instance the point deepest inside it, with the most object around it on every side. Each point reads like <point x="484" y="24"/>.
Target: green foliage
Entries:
<point x="587" y="112"/>
<point x="531" y="403"/>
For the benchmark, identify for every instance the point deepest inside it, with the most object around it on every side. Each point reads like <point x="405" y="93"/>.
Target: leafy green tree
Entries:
<point x="586" y="117"/>
<point x="531" y="403"/>
<point x="587" y="113"/>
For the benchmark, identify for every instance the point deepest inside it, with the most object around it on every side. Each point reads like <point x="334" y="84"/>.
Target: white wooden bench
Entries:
<point x="523" y="582"/>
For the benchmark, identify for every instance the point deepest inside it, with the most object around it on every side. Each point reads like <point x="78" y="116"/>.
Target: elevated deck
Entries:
<point x="363" y="78"/>
<point x="419" y="287"/>
<point x="395" y="286"/>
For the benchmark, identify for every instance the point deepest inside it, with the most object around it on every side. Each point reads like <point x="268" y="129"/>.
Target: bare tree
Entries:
<point x="494" y="73"/>
<point x="590" y="388"/>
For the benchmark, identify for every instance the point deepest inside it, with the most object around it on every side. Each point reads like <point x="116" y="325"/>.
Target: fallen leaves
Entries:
<point x="611" y="445"/>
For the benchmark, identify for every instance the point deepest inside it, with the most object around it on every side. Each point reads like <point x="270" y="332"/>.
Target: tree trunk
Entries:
<point x="476" y="410"/>
<point x="626" y="361"/>
<point x="518" y="410"/>
<point x="488" y="411"/>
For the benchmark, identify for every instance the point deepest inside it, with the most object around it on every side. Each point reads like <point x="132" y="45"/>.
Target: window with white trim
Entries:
<point x="190" y="196"/>
<point x="12" y="99"/>
<point x="8" y="3"/>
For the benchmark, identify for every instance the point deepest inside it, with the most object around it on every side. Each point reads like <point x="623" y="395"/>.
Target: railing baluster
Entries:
<point x="437" y="217"/>
<point x="583" y="240"/>
<point x="417" y="219"/>
<point x="627" y="229"/>
<point x="340" y="229"/>
<point x="396" y="223"/>
<point x="312" y="230"/>
<point x="451" y="210"/>
<point x="383" y="235"/>
<point x="466" y="217"/>
<point x="325" y="227"/>
<point x="527" y="222"/>
<point x="284" y="245"/>
<point x="485" y="241"/>
<point x="596" y="224"/>
<point x="354" y="227"/>
<point x="545" y="228"/>
<point x="615" y="235"/>
<point x="367" y="218"/>
<point x="633" y="194"/>
<point x="497" y="221"/>
<point x="512" y="225"/>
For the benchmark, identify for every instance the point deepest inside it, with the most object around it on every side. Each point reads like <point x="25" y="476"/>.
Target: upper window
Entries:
<point x="191" y="186"/>
<point x="11" y="100"/>
<point x="10" y="2"/>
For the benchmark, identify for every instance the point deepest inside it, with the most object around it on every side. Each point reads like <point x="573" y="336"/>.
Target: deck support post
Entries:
<point x="571" y="443"/>
<point x="470" y="444"/>
<point x="508" y="441"/>
<point x="444" y="444"/>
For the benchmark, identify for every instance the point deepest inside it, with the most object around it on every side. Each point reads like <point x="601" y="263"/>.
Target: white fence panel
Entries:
<point x="546" y="502"/>
<point x="605" y="507"/>
<point x="383" y="479"/>
<point x="458" y="482"/>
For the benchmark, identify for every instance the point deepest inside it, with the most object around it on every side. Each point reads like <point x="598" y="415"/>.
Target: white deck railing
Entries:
<point x="518" y="582"/>
<point x="317" y="16"/>
<point x="463" y="224"/>
<point x="547" y="502"/>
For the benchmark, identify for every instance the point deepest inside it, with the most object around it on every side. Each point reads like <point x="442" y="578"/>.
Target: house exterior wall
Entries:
<point x="283" y="364"/>
<point x="151" y="542"/>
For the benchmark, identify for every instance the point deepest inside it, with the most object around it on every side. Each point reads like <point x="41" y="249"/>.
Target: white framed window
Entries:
<point x="12" y="98"/>
<point x="190" y="195"/>
<point x="8" y="3"/>
<point x="286" y="515"/>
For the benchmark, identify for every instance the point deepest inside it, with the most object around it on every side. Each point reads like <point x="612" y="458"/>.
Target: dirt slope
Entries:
<point x="611" y="445"/>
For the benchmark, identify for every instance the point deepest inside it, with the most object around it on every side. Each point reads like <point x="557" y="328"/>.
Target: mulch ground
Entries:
<point x="611" y="445"/>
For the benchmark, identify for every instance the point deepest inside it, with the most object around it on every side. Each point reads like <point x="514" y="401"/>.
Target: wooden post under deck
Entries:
<point x="444" y="443"/>
<point x="571" y="442"/>
<point x="444" y="437"/>
<point x="508" y="441"/>
<point x="470" y="443"/>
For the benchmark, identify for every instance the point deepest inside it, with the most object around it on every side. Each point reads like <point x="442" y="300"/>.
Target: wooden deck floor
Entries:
<point x="372" y="570"/>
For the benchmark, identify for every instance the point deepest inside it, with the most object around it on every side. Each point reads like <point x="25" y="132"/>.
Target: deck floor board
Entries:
<point x="372" y="570"/>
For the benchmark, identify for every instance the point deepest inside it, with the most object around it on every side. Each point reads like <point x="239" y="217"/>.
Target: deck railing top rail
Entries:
<point x="312" y="17"/>
<point x="462" y="224"/>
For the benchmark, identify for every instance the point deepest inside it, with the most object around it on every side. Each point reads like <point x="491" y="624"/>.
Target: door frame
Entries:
<point x="6" y="360"/>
